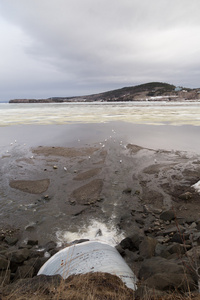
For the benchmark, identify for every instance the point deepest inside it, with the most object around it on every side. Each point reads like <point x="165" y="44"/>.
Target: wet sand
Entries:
<point x="48" y="189"/>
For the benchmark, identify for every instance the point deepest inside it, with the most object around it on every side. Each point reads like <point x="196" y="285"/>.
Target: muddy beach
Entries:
<point x="133" y="197"/>
<point x="51" y="190"/>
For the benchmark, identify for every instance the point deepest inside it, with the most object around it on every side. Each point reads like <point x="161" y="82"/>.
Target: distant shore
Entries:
<point x="145" y="92"/>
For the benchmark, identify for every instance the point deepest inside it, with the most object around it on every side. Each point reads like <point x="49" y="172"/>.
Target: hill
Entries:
<point x="148" y="91"/>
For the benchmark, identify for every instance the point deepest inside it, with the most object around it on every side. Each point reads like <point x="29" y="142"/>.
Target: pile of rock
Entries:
<point x="19" y="261"/>
<point x="165" y="255"/>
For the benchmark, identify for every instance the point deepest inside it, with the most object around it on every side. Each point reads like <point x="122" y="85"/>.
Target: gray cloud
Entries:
<point x="65" y="47"/>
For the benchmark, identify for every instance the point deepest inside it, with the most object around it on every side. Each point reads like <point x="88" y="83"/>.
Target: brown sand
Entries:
<point x="65" y="152"/>
<point x="31" y="186"/>
<point x="87" y="174"/>
<point x="88" y="193"/>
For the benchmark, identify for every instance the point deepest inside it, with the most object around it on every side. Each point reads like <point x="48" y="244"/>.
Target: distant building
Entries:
<point x="178" y="88"/>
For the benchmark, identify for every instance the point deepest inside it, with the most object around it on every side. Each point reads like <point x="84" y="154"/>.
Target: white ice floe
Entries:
<point x="196" y="186"/>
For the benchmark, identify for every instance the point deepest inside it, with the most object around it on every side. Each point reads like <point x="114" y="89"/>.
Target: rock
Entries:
<point x="11" y="240"/>
<point x="170" y="281"/>
<point x="80" y="241"/>
<point x="18" y="256"/>
<point x="167" y="215"/>
<point x="139" y="221"/>
<point x="32" y="242"/>
<point x="25" y="271"/>
<point x="198" y="226"/>
<point x="193" y="254"/>
<point x="161" y="250"/>
<point x="177" y="248"/>
<point x="4" y="263"/>
<point x="120" y="250"/>
<point x="146" y="209"/>
<point x="157" y="211"/>
<point x="127" y="224"/>
<point x="193" y="225"/>
<point x="127" y="191"/>
<point x="147" y="247"/>
<point x="178" y="238"/>
<point x="190" y="220"/>
<point x="186" y="196"/>
<point x="136" y="239"/>
<point x="173" y="230"/>
<point x="4" y="278"/>
<point x="127" y="243"/>
<point x="131" y="257"/>
<point x="158" y="265"/>
<point x="49" y="246"/>
<point x="157" y="223"/>
<point x="98" y="233"/>
<point x="36" y="263"/>
<point x="195" y="236"/>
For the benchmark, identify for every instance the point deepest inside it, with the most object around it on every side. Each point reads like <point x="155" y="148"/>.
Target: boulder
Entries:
<point x="177" y="248"/>
<point x="4" y="263"/>
<point x="25" y="271"/>
<point x="139" y="220"/>
<point x="127" y="243"/>
<point x="50" y="246"/>
<point x="11" y="240"/>
<point x="32" y="242"/>
<point x="186" y="196"/>
<point x="120" y="250"/>
<point x="194" y="254"/>
<point x="170" y="281"/>
<point x="36" y="263"/>
<point x="156" y="265"/>
<point x="131" y="257"/>
<point x="136" y="238"/>
<point x="178" y="238"/>
<point x="18" y="256"/>
<point x="161" y="250"/>
<point x="167" y="215"/>
<point x="147" y="247"/>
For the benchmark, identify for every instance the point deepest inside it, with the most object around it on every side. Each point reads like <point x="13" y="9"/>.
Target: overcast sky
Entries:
<point x="76" y="47"/>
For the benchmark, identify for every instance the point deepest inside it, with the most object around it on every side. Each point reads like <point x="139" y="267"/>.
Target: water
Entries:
<point x="22" y="126"/>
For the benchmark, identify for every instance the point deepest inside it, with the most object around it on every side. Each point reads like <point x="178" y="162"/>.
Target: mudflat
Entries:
<point x="48" y="190"/>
